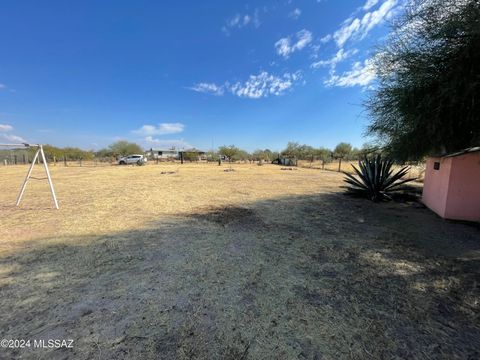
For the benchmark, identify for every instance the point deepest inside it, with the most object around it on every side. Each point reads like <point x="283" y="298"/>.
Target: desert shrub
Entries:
<point x="376" y="179"/>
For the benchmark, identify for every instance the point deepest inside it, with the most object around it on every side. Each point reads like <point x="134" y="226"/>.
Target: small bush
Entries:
<point x="375" y="178"/>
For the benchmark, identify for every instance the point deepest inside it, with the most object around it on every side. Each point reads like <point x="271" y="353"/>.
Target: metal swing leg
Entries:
<point x="19" y="198"/>
<point x="47" y="172"/>
<point x="45" y="165"/>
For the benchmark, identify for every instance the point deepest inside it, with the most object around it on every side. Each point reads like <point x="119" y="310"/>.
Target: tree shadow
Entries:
<point x="320" y="276"/>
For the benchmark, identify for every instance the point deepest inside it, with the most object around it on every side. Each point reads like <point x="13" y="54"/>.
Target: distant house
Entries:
<point x="452" y="185"/>
<point x="167" y="154"/>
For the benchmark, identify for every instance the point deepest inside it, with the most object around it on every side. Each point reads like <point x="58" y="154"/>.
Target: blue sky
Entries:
<point x="188" y="73"/>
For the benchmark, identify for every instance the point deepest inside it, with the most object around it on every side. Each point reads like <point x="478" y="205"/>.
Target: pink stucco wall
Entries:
<point x="453" y="191"/>
<point x="463" y="199"/>
<point x="435" y="185"/>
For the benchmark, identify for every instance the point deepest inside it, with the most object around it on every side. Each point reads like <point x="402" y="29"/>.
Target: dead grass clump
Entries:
<point x="229" y="215"/>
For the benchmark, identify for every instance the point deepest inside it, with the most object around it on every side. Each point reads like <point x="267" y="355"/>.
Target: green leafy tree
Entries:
<point x="323" y="154"/>
<point x="342" y="150"/>
<point x="298" y="151"/>
<point x="190" y="156"/>
<point x="72" y="153"/>
<point x="122" y="148"/>
<point x="428" y="97"/>
<point x="104" y="153"/>
<point x="231" y="152"/>
<point x="264" y="155"/>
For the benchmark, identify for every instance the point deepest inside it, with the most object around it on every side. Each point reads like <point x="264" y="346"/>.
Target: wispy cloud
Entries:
<point x="241" y="20"/>
<point x="358" y="28"/>
<point x="208" y="88"/>
<point x="361" y="74"/>
<point x="13" y="138"/>
<point x="295" y="14"/>
<point x="160" y="129"/>
<point x="256" y="86"/>
<point x="340" y="56"/>
<point x="3" y="86"/>
<point x="287" y="46"/>
<point x="5" y="133"/>
<point x="5" y="127"/>
<point x="369" y="4"/>
<point x="265" y="84"/>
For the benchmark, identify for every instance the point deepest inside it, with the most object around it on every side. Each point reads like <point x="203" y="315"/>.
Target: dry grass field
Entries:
<point x="193" y="262"/>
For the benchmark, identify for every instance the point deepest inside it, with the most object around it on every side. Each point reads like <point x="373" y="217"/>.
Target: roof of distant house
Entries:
<point x="157" y="149"/>
<point x="464" y="151"/>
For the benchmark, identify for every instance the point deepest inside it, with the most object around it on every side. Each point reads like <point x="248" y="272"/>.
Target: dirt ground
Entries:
<point x="195" y="262"/>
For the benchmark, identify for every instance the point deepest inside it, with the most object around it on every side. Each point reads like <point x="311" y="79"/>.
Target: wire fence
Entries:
<point x="417" y="170"/>
<point x="23" y="157"/>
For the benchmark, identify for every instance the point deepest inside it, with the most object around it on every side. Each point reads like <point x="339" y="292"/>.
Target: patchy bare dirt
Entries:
<point x="256" y="264"/>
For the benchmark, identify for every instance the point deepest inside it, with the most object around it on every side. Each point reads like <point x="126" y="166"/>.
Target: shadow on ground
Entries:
<point x="317" y="277"/>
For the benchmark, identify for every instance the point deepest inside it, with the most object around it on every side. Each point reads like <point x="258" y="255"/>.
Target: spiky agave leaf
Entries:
<point x="375" y="178"/>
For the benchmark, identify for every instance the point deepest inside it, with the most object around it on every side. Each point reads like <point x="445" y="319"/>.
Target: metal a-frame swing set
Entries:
<point x="39" y="154"/>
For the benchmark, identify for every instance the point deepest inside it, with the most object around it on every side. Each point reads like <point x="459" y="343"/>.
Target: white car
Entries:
<point x="132" y="159"/>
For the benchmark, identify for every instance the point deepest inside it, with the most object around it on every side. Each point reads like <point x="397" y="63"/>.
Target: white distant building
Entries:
<point x="164" y="154"/>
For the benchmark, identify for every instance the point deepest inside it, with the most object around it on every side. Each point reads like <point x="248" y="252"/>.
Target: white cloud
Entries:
<point x="265" y="84"/>
<point x="326" y="38"/>
<point x="208" y="88"/>
<point x="161" y="129"/>
<point x="369" y="4"/>
<point x="348" y="29"/>
<point x="285" y="46"/>
<point x="167" y="143"/>
<point x="241" y="20"/>
<point x="358" y="28"/>
<point x="2" y="86"/>
<point x="361" y="74"/>
<point x="257" y="86"/>
<point x="340" y="56"/>
<point x="5" y="127"/>
<point x="13" y="138"/>
<point x="295" y="14"/>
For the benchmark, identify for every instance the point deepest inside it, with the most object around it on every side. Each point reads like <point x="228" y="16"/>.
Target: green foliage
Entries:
<point x="265" y="155"/>
<point x="212" y="155"/>
<point x="123" y="148"/>
<point x="104" y="153"/>
<point x="306" y="152"/>
<point x="428" y="98"/>
<point x="190" y="156"/>
<point x="71" y="153"/>
<point x="376" y="179"/>
<point x="298" y="151"/>
<point x="342" y="150"/>
<point x="229" y="151"/>
<point x="323" y="154"/>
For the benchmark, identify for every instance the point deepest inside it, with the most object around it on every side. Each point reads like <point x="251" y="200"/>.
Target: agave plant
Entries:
<point x="376" y="179"/>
